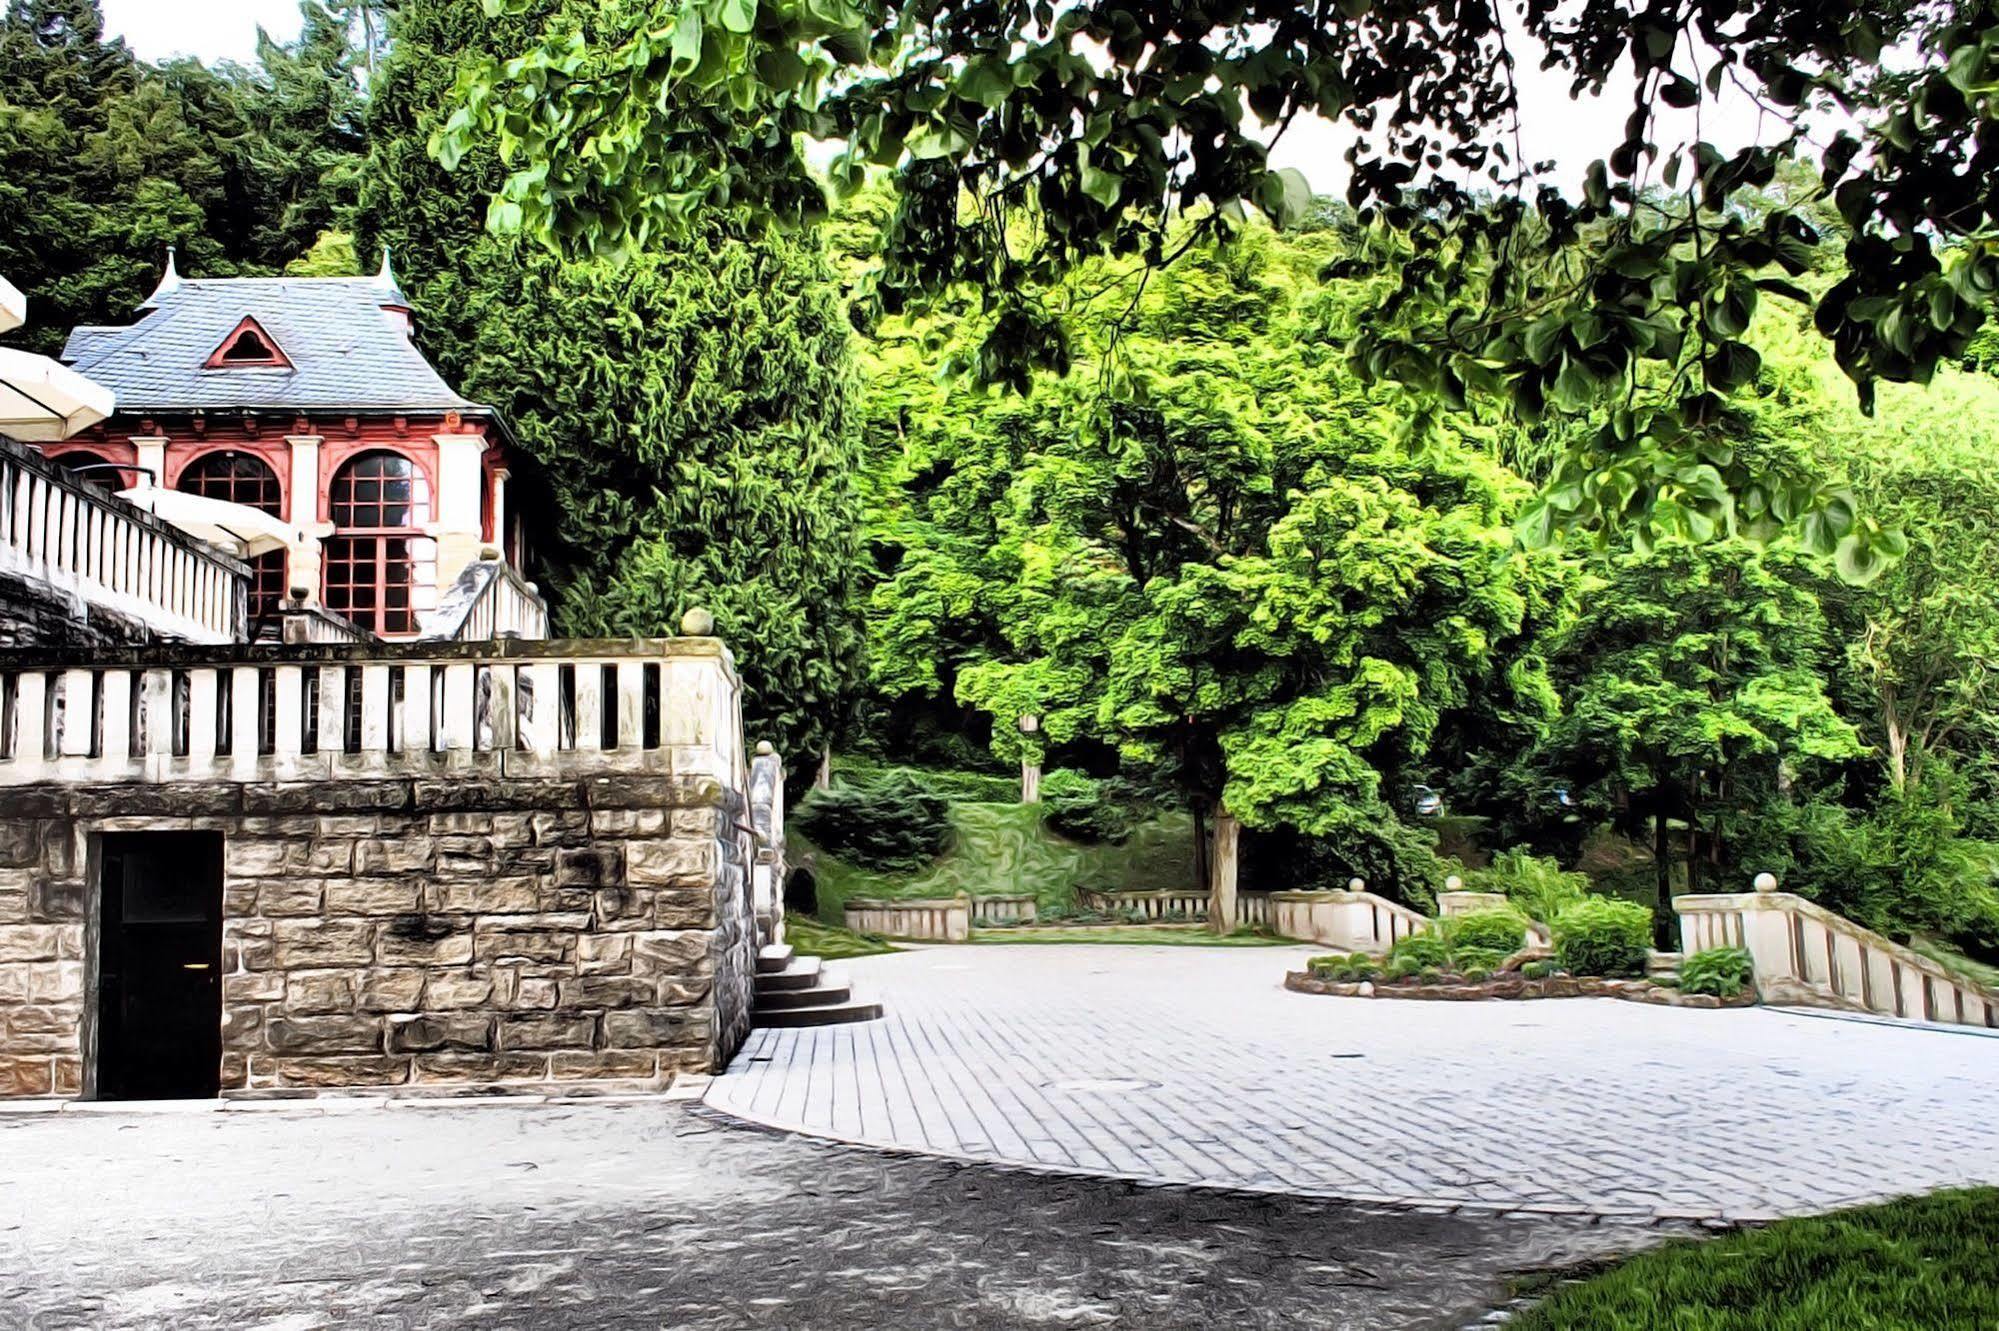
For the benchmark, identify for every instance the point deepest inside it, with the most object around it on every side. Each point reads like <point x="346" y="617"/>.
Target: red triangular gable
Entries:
<point x="248" y="346"/>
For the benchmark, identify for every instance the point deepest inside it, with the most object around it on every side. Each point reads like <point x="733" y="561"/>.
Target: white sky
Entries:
<point x="1571" y="134"/>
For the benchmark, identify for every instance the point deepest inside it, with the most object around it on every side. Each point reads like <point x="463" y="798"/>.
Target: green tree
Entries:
<point x="1694" y="684"/>
<point x="688" y="414"/>
<point x="1217" y="555"/>
<point x="1026" y="138"/>
<point x="106" y="162"/>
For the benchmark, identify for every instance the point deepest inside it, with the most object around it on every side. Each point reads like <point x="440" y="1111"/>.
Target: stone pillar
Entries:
<point x="1030" y="759"/>
<point x="303" y="562"/>
<point x="151" y="459"/>
<point x="1222" y="874"/>
<point x="499" y="481"/>
<point x="767" y="818"/>
<point x="461" y="489"/>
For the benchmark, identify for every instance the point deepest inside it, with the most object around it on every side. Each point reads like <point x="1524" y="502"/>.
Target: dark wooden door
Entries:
<point x="159" y="1034"/>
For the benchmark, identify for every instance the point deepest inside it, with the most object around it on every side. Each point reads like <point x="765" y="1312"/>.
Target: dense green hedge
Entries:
<point x="889" y="822"/>
<point x="1601" y="936"/>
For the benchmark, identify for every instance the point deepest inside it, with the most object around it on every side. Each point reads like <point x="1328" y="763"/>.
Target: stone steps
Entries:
<point x="799" y="991"/>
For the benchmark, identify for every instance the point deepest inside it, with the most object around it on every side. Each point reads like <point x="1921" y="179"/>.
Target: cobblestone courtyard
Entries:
<point x="1193" y="1065"/>
<point x="598" y="1215"/>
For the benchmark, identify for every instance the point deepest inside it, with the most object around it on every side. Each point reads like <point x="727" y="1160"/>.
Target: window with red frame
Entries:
<point x="245" y="478"/>
<point x="377" y="499"/>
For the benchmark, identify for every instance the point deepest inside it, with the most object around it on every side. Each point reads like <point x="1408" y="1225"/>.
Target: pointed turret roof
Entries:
<point x="385" y="282"/>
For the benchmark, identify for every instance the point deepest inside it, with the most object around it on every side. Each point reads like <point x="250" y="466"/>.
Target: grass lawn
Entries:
<point x="1923" y="1264"/>
<point x="1005" y="850"/>
<point x="828" y="942"/>
<point x="1167" y="935"/>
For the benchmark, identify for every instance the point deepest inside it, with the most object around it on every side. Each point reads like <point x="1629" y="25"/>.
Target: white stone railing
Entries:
<point x="1808" y="956"/>
<point x="1354" y="920"/>
<point x="268" y="712"/>
<point x="488" y="600"/>
<point x="1016" y="908"/>
<point x="1168" y="904"/>
<point x="84" y="542"/>
<point x="922" y="919"/>
<point x="300" y="623"/>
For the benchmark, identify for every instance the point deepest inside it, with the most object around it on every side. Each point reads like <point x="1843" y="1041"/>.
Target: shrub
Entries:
<point x="1501" y="931"/>
<point x="1721" y="971"/>
<point x="1602" y="936"/>
<point x="1465" y="960"/>
<point x="1477" y="975"/>
<point x="1537" y="885"/>
<point x="1429" y="975"/>
<point x="1402" y="968"/>
<point x="888" y="822"/>
<point x="1537" y="970"/>
<point x="1082" y="809"/>
<point x="1424" y="949"/>
<point x="1345" y="969"/>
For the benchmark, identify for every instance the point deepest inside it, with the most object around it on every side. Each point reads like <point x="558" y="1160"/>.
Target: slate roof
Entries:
<point x="347" y="352"/>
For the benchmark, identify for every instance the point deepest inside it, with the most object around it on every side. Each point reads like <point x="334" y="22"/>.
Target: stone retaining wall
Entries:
<point x="469" y="930"/>
<point x="1516" y="986"/>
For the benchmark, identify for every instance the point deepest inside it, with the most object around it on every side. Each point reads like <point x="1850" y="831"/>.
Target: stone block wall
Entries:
<point x="469" y="930"/>
<point x="34" y="614"/>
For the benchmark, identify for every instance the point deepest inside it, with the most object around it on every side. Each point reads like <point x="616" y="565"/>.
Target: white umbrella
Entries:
<point x="13" y="306"/>
<point x="42" y="400"/>
<point x="238" y="528"/>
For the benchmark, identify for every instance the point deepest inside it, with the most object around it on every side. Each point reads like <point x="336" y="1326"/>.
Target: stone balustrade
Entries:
<point x="1009" y="909"/>
<point x="918" y="919"/>
<point x="488" y="600"/>
<point x="1806" y="955"/>
<point x="1170" y="904"/>
<point x="66" y="538"/>
<point x="268" y="712"/>
<point x="440" y="864"/>
<point x="1354" y="920"/>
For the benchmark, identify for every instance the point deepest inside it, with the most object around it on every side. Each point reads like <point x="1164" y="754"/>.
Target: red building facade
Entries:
<point x="305" y="398"/>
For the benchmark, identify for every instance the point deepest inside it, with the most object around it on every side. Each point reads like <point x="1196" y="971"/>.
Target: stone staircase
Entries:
<point x="799" y="991"/>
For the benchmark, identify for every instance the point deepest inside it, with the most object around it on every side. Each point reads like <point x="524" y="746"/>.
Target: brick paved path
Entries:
<point x="1193" y="1065"/>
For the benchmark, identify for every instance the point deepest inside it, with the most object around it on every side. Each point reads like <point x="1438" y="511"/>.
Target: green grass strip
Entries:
<point x="1922" y="1264"/>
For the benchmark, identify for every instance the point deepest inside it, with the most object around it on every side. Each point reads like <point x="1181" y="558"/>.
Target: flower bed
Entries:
<point x="1512" y="985"/>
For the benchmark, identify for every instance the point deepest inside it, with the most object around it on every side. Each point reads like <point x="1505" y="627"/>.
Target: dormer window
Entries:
<point x="248" y="346"/>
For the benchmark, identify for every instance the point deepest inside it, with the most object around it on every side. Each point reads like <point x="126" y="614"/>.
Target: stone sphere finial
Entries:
<point x="1766" y="882"/>
<point x="697" y="623"/>
<point x="1356" y="885"/>
<point x="1454" y="884"/>
<point x="765" y="748"/>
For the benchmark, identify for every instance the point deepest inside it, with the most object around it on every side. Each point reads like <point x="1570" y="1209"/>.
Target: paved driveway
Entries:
<point x="347" y="1215"/>
<point x="1194" y="1065"/>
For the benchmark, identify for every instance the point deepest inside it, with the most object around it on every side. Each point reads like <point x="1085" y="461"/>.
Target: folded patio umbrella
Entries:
<point x="13" y="306"/>
<point x="42" y="400"/>
<point x="237" y="528"/>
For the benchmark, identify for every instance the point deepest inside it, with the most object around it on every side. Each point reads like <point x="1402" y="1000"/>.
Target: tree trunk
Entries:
<point x="1662" y="853"/>
<point x="1221" y="888"/>
<point x="1200" y="847"/>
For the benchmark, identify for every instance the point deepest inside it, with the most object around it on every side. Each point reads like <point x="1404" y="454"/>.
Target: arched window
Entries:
<point x="375" y="556"/>
<point x="244" y="478"/>
<point x="90" y="467"/>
